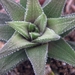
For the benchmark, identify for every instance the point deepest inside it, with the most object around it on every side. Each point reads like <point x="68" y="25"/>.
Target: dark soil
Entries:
<point x="24" y="68"/>
<point x="62" y="68"/>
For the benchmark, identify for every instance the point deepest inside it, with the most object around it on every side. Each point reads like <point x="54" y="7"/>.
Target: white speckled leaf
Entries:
<point x="46" y="3"/>
<point x="5" y="32"/>
<point x="11" y="61"/>
<point x="72" y="44"/>
<point x="62" y="51"/>
<point x="15" y="43"/>
<point x="15" y="10"/>
<point x="41" y="22"/>
<point x="33" y="10"/>
<point x="38" y="56"/>
<point x="21" y="27"/>
<point x="47" y="36"/>
<point x="61" y="25"/>
<point x="54" y="8"/>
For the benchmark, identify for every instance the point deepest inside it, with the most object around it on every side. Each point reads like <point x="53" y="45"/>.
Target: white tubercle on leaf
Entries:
<point x="46" y="3"/>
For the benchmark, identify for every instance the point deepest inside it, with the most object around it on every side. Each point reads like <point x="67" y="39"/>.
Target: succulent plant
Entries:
<point x="35" y="33"/>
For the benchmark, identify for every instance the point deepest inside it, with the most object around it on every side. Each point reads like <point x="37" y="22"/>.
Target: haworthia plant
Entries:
<point x="35" y="34"/>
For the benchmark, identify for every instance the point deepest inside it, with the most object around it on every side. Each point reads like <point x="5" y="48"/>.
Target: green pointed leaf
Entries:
<point x="11" y="61"/>
<point x="71" y="28"/>
<point x="5" y="32"/>
<point x="34" y="35"/>
<point x="33" y="10"/>
<point x="15" y="43"/>
<point x="49" y="35"/>
<point x="32" y="28"/>
<point x="16" y="10"/>
<point x="37" y="56"/>
<point x="67" y="32"/>
<point x="46" y="3"/>
<point x="21" y="27"/>
<point x="62" y="51"/>
<point x="54" y="8"/>
<point x="61" y="25"/>
<point x="41" y="22"/>
<point x="72" y="44"/>
<point x="23" y="3"/>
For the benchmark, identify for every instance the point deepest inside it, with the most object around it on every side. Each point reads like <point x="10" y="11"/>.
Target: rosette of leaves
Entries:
<point x="35" y="32"/>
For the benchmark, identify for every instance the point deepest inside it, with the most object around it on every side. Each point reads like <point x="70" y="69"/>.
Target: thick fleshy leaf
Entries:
<point x="15" y="43"/>
<point x="21" y="27"/>
<point x="34" y="35"/>
<point x="16" y="10"/>
<point x="62" y="51"/>
<point x="46" y="3"/>
<point x="33" y="10"/>
<point x="41" y="22"/>
<point x="5" y="32"/>
<point x="31" y="27"/>
<point x="4" y="18"/>
<point x="54" y="8"/>
<point x="23" y="3"/>
<point x="61" y="25"/>
<point x="47" y="36"/>
<point x="71" y="28"/>
<point x="38" y="56"/>
<point x="72" y="44"/>
<point x="11" y="61"/>
<point x="67" y="32"/>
